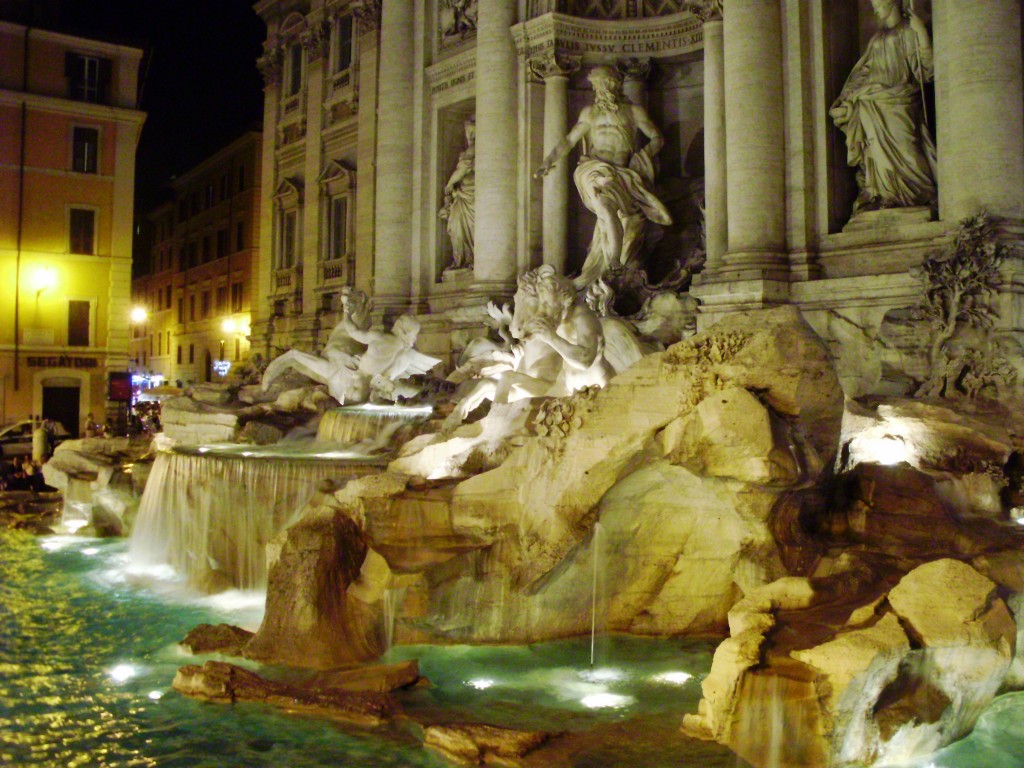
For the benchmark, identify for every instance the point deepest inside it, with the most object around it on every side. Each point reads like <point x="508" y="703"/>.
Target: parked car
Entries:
<point x="16" y="440"/>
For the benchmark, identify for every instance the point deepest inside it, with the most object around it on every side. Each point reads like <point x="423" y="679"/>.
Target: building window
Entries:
<point x="88" y="77"/>
<point x="240" y="236"/>
<point x="241" y="178"/>
<point x="192" y="309"/>
<point x="85" y="144"/>
<point x="181" y="311"/>
<point x="191" y="353"/>
<point x="286" y="253"/>
<point x="222" y="299"/>
<point x="206" y="304"/>
<point x="225" y="185"/>
<point x="236" y="297"/>
<point x="167" y="299"/>
<point x="343" y="44"/>
<point x="294" y="78"/>
<point x="193" y="253"/>
<point x="337" y="245"/>
<point x="82" y="230"/>
<point x="207" y="249"/>
<point x="179" y="354"/>
<point x="78" y="323"/>
<point x="209" y="195"/>
<point x="222" y="243"/>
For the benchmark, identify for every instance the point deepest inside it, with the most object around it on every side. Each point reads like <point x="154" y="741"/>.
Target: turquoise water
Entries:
<point x="87" y="658"/>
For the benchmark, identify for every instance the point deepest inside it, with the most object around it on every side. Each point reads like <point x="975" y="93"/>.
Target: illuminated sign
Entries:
<point x="221" y="367"/>
<point x="62" y="361"/>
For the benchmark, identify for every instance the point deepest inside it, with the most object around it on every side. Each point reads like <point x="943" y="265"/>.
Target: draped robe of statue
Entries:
<point x="460" y="210"/>
<point x="887" y="138"/>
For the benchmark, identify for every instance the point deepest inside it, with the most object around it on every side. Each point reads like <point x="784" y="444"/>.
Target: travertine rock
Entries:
<point x="220" y="638"/>
<point x="227" y="683"/>
<point x="381" y="678"/>
<point x="475" y="744"/>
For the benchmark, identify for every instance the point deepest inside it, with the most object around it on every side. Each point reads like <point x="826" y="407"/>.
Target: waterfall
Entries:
<point x="211" y="516"/>
<point x="373" y="424"/>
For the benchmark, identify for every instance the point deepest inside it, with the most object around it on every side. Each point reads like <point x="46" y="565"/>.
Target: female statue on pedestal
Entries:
<point x="882" y="113"/>
<point x="459" y="207"/>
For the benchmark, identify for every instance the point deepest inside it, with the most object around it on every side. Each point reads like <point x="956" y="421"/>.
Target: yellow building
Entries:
<point x="69" y="127"/>
<point x="194" y="292"/>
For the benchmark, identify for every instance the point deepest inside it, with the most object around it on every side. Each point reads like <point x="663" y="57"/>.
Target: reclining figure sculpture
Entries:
<point x="358" y="364"/>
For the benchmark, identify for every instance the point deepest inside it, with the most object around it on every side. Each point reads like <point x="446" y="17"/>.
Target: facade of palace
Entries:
<point x="69" y="126"/>
<point x="196" y="288"/>
<point x="811" y="152"/>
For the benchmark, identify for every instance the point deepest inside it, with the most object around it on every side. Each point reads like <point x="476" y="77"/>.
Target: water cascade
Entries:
<point x="371" y="426"/>
<point x="210" y="516"/>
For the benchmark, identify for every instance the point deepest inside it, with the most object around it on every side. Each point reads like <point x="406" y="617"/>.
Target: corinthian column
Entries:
<point x="393" y="214"/>
<point x="496" y="140"/>
<point x="978" y="101"/>
<point x="555" y="71"/>
<point x="715" y="198"/>
<point x="755" y="141"/>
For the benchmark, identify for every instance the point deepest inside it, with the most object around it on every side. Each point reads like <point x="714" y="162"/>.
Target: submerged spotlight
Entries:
<point x="606" y="701"/>
<point x="675" y="678"/>
<point x="122" y="672"/>
<point x="481" y="683"/>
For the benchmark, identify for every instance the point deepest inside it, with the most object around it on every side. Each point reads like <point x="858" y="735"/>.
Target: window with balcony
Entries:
<point x="222" y="299"/>
<point x="236" y="297"/>
<point x="293" y="70"/>
<point x="338" y="185"/>
<point x="286" y="251"/>
<point x="85" y="144"/>
<point x="78" y="323"/>
<point x="342" y="43"/>
<point x="82" y="227"/>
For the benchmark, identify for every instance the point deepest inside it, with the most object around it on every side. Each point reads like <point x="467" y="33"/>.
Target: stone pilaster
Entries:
<point x="755" y="139"/>
<point x="496" y="145"/>
<point x="315" y="42"/>
<point x="392" y="248"/>
<point x="715" y="177"/>
<point x="978" y="100"/>
<point x="555" y="71"/>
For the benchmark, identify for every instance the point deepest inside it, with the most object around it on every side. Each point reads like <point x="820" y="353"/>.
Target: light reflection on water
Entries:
<point x="87" y="657"/>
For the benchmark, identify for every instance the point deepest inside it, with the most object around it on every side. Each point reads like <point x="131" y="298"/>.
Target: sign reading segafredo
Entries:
<point x="656" y="37"/>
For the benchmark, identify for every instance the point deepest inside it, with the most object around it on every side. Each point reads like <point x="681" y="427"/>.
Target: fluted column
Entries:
<point x="555" y="71"/>
<point x="496" y="141"/>
<point x="755" y="138"/>
<point x="393" y="214"/>
<point x="978" y="103"/>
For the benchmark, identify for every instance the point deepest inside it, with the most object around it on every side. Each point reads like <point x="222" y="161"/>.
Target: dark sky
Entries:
<point x="200" y="85"/>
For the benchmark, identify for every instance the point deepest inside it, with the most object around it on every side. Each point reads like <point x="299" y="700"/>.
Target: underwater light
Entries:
<point x="75" y="525"/>
<point x="90" y="551"/>
<point x="156" y="695"/>
<point x="675" y="678"/>
<point x="122" y="672"/>
<point x="606" y="701"/>
<point x="481" y="683"/>
<point x="602" y="675"/>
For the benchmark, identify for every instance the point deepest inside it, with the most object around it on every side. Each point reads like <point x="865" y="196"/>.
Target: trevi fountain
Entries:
<point x="688" y="434"/>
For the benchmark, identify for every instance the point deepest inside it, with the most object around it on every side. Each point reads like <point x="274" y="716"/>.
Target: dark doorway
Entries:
<point x="61" y="404"/>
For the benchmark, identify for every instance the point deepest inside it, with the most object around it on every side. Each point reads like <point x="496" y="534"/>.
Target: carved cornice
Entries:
<point x="270" y="65"/>
<point x="656" y="37"/>
<point x="367" y="15"/>
<point x="551" y="64"/>
<point x="706" y="10"/>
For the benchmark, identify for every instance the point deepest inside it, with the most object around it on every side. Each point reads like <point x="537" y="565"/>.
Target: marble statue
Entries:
<point x="358" y="364"/>
<point x="559" y="347"/>
<point x="614" y="174"/>
<point x="459" y="209"/>
<point x="882" y="113"/>
<point x="463" y="17"/>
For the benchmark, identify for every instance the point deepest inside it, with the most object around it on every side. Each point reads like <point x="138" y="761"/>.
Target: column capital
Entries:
<point x="553" y="65"/>
<point x="316" y="39"/>
<point x="367" y="14"/>
<point x="270" y="65"/>
<point x="706" y="10"/>
<point x="634" y="68"/>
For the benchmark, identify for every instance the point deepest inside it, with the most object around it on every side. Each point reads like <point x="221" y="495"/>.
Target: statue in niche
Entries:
<point x="558" y="348"/>
<point x="882" y="112"/>
<point x="459" y="209"/>
<point x="359" y="364"/>
<point x="614" y="175"/>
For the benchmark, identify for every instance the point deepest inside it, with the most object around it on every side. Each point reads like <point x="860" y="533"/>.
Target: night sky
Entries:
<point x="200" y="85"/>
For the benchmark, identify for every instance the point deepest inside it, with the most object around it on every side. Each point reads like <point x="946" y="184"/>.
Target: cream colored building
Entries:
<point x="196" y="289"/>
<point x="366" y="102"/>
<point x="69" y="127"/>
